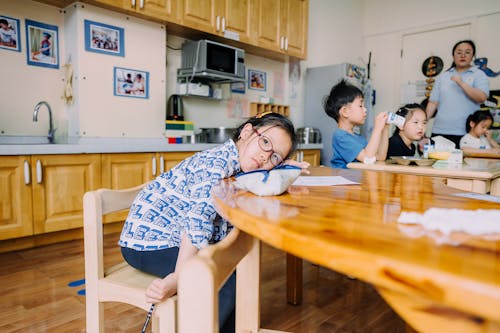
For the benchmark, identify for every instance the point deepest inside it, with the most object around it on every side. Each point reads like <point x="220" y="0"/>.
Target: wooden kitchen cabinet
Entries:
<point x="171" y="159"/>
<point x="218" y="17"/>
<point x="313" y="156"/>
<point x="16" y="212"/>
<point x="163" y="10"/>
<point x="59" y="183"/>
<point x="294" y="25"/>
<point x="120" y="171"/>
<point x="43" y="193"/>
<point x="281" y="25"/>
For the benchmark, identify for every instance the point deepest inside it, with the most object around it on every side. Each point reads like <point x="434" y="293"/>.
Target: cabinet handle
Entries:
<point x="162" y="164"/>
<point x="223" y="24"/>
<point x="38" y="171"/>
<point x="286" y="43"/>
<point x="153" y="166"/>
<point x="27" y="178"/>
<point x="217" y="23"/>
<point x="132" y="2"/>
<point x="141" y="4"/>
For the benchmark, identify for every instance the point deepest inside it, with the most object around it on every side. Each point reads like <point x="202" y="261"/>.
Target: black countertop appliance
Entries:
<point x="175" y="108"/>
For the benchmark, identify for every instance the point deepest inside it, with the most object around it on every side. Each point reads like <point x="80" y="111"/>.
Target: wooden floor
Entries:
<point x="35" y="296"/>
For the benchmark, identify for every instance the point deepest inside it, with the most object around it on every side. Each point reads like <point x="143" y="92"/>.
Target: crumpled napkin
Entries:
<point x="268" y="182"/>
<point x="475" y="222"/>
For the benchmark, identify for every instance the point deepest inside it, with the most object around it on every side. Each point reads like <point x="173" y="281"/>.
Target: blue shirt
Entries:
<point x="179" y="201"/>
<point x="346" y="147"/>
<point x="453" y="104"/>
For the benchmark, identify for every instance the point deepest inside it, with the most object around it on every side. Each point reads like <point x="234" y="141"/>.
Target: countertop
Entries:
<point x="110" y="145"/>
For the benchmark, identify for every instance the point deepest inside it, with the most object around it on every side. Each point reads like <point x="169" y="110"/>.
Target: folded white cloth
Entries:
<point x="475" y="222"/>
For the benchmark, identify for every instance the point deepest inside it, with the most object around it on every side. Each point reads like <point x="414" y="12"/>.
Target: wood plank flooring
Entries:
<point x="35" y="296"/>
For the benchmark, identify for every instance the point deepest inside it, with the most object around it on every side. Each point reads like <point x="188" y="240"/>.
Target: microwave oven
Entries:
<point x="212" y="59"/>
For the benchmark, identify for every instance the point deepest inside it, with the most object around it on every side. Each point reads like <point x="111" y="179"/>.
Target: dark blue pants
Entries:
<point x="162" y="262"/>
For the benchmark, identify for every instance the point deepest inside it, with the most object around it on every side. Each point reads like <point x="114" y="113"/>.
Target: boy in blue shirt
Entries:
<point x="345" y="104"/>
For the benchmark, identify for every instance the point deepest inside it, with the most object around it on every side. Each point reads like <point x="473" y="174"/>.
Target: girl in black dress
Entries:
<point x="401" y="143"/>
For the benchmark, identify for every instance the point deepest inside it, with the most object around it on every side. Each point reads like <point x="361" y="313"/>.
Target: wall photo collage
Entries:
<point x="42" y="49"/>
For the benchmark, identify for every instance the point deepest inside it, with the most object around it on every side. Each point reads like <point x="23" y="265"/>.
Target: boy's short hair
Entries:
<point x="341" y="94"/>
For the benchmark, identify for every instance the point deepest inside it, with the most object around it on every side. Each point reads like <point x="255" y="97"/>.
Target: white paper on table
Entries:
<point x="322" y="181"/>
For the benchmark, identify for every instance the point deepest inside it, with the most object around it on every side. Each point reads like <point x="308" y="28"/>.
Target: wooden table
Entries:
<point x="450" y="285"/>
<point x="479" y="175"/>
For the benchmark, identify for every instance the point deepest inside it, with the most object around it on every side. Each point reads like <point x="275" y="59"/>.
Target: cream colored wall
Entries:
<point x="23" y="86"/>
<point x="95" y="111"/>
<point x="213" y="113"/>
<point x="387" y="21"/>
<point x="99" y="113"/>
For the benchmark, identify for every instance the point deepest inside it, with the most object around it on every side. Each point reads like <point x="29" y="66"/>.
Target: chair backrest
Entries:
<point x="119" y="283"/>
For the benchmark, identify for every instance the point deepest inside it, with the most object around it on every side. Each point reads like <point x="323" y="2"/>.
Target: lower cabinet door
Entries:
<point x="59" y="183"/>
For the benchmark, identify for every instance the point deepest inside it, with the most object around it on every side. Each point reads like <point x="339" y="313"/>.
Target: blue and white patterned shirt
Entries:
<point x="179" y="201"/>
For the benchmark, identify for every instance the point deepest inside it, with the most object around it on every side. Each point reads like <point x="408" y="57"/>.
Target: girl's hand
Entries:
<point x="488" y="135"/>
<point x="161" y="289"/>
<point x="303" y="165"/>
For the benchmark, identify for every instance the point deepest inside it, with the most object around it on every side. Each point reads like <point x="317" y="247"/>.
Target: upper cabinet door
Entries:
<point x="235" y="18"/>
<point x="200" y="15"/>
<point x="163" y="9"/>
<point x="294" y="24"/>
<point x="266" y="24"/>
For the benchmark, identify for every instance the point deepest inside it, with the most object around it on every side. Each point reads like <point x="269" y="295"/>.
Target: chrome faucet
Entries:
<point x="52" y="130"/>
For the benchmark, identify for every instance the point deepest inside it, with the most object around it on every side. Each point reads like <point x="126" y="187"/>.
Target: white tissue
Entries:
<point x="475" y="222"/>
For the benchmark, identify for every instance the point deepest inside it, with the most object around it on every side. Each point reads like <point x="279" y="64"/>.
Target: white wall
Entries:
<point x="335" y="32"/>
<point x="23" y="86"/>
<point x="387" y="21"/>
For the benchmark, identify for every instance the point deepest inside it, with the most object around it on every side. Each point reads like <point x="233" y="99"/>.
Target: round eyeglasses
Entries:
<point x="266" y="145"/>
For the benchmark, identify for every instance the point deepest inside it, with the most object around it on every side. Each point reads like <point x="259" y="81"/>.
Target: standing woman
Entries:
<point x="457" y="93"/>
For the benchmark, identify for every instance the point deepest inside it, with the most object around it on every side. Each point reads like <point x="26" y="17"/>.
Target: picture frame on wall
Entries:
<point x="256" y="80"/>
<point x="42" y="44"/>
<point x="10" y="38"/>
<point x="131" y="83"/>
<point x="238" y="87"/>
<point x="104" y="38"/>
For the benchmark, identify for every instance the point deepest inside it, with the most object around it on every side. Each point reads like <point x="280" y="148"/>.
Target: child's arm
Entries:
<point x="378" y="143"/>
<point x="492" y="142"/>
<point x="161" y="289"/>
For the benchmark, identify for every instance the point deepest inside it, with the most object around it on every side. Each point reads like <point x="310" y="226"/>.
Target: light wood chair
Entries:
<point x="120" y="283"/>
<point x="202" y="277"/>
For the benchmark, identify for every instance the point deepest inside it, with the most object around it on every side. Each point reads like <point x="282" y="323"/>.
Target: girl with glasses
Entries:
<point x="173" y="216"/>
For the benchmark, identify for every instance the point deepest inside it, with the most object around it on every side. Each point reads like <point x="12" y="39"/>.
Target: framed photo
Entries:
<point x="104" y="38"/>
<point x="131" y="83"/>
<point x="238" y="87"/>
<point x="9" y="34"/>
<point x="256" y="80"/>
<point x="42" y="43"/>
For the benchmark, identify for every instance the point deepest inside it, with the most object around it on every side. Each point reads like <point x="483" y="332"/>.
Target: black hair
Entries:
<point x="477" y="117"/>
<point x="270" y="119"/>
<point x="340" y="95"/>
<point x="407" y="111"/>
<point x="467" y="41"/>
<point x="4" y="21"/>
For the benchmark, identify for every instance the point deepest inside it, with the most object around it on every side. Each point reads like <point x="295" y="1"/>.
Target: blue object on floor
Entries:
<point x="78" y="283"/>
